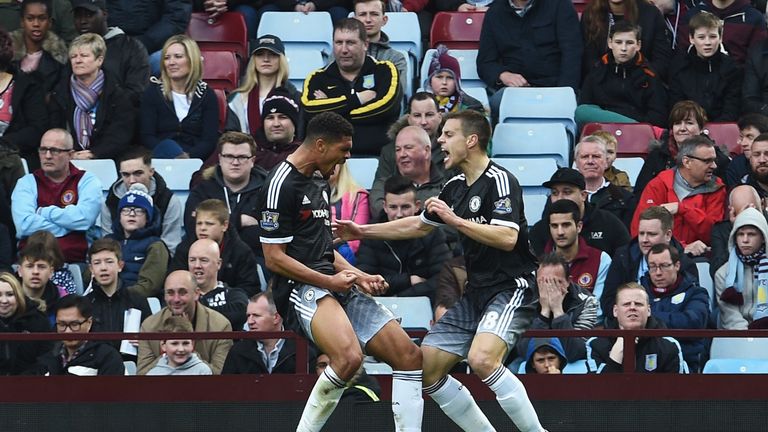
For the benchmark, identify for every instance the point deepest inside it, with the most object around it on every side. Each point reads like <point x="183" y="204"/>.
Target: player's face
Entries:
<point x="425" y="115"/>
<point x="685" y="129"/>
<point x="624" y="46"/>
<point x="400" y="206"/>
<point x="631" y="309"/>
<point x="207" y="226"/>
<point x="564" y="231"/>
<point x="662" y="270"/>
<point x="8" y="302"/>
<point x="178" y="351"/>
<point x="260" y="318"/>
<point x="453" y="143"/>
<point x="134" y="171"/>
<point x="746" y="138"/>
<point x="35" y="274"/>
<point x="349" y="50"/>
<point x="105" y="267"/>
<point x="443" y="83"/>
<point x="749" y="240"/>
<point x="545" y="362"/>
<point x="567" y="191"/>
<point x="278" y="128"/>
<point x="234" y="166"/>
<point x="706" y="41"/>
<point x="591" y="161"/>
<point x="334" y="154"/>
<point x="650" y="233"/>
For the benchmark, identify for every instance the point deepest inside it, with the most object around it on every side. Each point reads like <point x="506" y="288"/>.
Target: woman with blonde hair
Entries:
<point x="349" y="201"/>
<point x="179" y="112"/>
<point x="19" y="314"/>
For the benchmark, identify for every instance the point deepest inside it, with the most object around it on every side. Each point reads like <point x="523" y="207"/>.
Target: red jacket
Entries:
<point x="695" y="215"/>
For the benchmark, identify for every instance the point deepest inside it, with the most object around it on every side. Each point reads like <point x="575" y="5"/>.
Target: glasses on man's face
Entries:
<point x="654" y="268"/>
<point x="72" y="325"/>
<point x="53" y="150"/>
<point x="133" y="211"/>
<point x="707" y="161"/>
<point x="232" y="158"/>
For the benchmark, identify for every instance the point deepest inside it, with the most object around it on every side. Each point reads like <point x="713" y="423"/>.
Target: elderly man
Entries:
<point x="592" y="161"/>
<point x="58" y="198"/>
<point x="182" y="299"/>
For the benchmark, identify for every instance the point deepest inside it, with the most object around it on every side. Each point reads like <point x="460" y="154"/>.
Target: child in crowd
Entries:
<point x="444" y="81"/>
<point x="179" y="356"/>
<point x="612" y="174"/>
<point x="545" y="356"/>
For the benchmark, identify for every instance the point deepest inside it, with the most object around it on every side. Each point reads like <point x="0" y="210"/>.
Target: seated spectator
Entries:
<point x="587" y="266"/>
<point x="372" y="13"/>
<point x="349" y="201"/>
<point x="599" y="18"/>
<point x="364" y="91"/>
<point x="545" y="356"/>
<point x="135" y="167"/>
<point x="181" y="298"/>
<point x="238" y="264"/>
<point x="336" y="8"/>
<point x="126" y="58"/>
<point x="512" y="55"/>
<point x="562" y="305"/>
<point x="179" y="112"/>
<point x="59" y="198"/>
<point x="690" y="192"/>
<point x="152" y="22"/>
<point x="612" y="174"/>
<point x="591" y="159"/>
<point x="741" y="283"/>
<point x="36" y="48"/>
<point x="263" y="356"/>
<point x="754" y="86"/>
<point x="686" y="120"/>
<point x="444" y="81"/>
<point x="60" y="17"/>
<point x="673" y="11"/>
<point x="740" y="198"/>
<point x="35" y="271"/>
<point x="91" y="105"/>
<point x="463" y="6"/>
<point x="622" y="87"/>
<point x="62" y="277"/>
<point x="20" y="314"/>
<point x="652" y="354"/>
<point x="750" y="127"/>
<point x="138" y="232"/>
<point x="758" y="164"/>
<point x="79" y="357"/>
<point x="179" y="356"/>
<point x="600" y="229"/>
<point x="281" y="119"/>
<point x="678" y="300"/>
<point x="410" y="267"/>
<point x="705" y="74"/>
<point x="743" y="25"/>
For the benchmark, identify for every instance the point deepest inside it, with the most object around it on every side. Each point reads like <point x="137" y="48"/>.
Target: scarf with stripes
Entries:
<point x="86" y="98"/>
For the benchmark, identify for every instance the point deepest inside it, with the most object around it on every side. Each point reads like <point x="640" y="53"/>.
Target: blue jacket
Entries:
<point x="135" y="247"/>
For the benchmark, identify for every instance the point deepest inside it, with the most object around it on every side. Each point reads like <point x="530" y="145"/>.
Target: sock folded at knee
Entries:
<point x="457" y="403"/>
<point x="322" y="401"/>
<point x="407" y="402"/>
<point x="511" y="395"/>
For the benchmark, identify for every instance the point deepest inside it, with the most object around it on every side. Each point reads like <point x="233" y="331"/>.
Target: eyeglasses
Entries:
<point x="53" y="150"/>
<point x="232" y="158"/>
<point x="133" y="211"/>
<point x="707" y="161"/>
<point x="654" y="268"/>
<point x="72" y="325"/>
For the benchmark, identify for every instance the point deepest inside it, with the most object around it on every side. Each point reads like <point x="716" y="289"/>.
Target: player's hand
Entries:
<point x="441" y="209"/>
<point x="372" y="284"/>
<point x="342" y="281"/>
<point x="346" y="230"/>
<point x="510" y="79"/>
<point x="697" y="248"/>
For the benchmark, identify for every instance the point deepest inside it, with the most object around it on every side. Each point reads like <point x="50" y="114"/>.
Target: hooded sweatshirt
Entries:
<point x="193" y="366"/>
<point x="536" y="343"/>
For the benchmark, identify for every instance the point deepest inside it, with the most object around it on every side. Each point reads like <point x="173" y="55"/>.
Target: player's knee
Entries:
<point x="483" y="363"/>
<point x="347" y="364"/>
<point x="409" y="357"/>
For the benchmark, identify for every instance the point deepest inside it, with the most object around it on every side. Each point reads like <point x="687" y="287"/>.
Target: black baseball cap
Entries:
<point x="567" y="176"/>
<point x="269" y="42"/>
<point x="91" y="5"/>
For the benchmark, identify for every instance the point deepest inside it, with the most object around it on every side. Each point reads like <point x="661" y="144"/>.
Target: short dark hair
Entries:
<point x="755" y="120"/>
<point x="381" y="2"/>
<point x="46" y="3"/>
<point x="660" y="213"/>
<point x="564" y="206"/>
<point x="106" y="244"/>
<point x="267" y="295"/>
<point x="626" y="27"/>
<point x="6" y="50"/>
<point x="473" y="123"/>
<point x="763" y="137"/>
<point x="687" y="147"/>
<point x="177" y="324"/>
<point x="328" y="126"/>
<point x="398" y="185"/>
<point x="235" y="137"/>
<point x="661" y="247"/>
<point x="351" y="25"/>
<point x="422" y="96"/>
<point x="687" y="108"/>
<point x="83" y="305"/>
<point x="49" y="249"/>
<point x="555" y="259"/>
<point x="36" y="252"/>
<point x="136" y="153"/>
<point x="216" y="207"/>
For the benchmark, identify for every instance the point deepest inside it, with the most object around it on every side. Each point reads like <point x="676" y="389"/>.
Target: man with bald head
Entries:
<point x="204" y="264"/>
<point x="413" y="160"/>
<point x="182" y="299"/>
<point x="741" y="197"/>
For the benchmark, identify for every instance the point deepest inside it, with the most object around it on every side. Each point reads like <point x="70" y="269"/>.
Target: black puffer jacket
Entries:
<point x="17" y="357"/>
<point x="109" y="312"/>
<point x="30" y="118"/>
<point x="712" y="83"/>
<point x="99" y="356"/>
<point x="755" y="84"/>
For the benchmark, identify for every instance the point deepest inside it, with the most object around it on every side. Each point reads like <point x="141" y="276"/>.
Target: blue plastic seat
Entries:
<point x="404" y="33"/>
<point x="363" y="170"/>
<point x="736" y="366"/>
<point x="416" y="312"/>
<point x="312" y="31"/>
<point x="534" y="206"/>
<point x="530" y="173"/>
<point x="742" y="348"/>
<point x="631" y="165"/>
<point x="705" y="281"/>
<point x="540" y="104"/>
<point x="104" y="169"/>
<point x="531" y="140"/>
<point x="302" y="62"/>
<point x="177" y="173"/>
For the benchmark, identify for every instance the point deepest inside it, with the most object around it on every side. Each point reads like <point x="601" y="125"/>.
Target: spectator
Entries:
<point x="750" y="126"/>
<point x="238" y="264"/>
<point x="152" y="22"/>
<point x="758" y="163"/>
<point x="281" y="120"/>
<point x="60" y="17"/>
<point x="372" y="14"/>
<point x="62" y="277"/>
<point x="740" y="198"/>
<point x="336" y="8"/>
<point x="622" y="87"/>
<point x="652" y="354"/>
<point x="181" y="298"/>
<point x="705" y="74"/>
<point x="529" y="43"/>
<point x="137" y="228"/>
<point x="744" y="26"/>
<point x="79" y="357"/>
<point x="135" y="167"/>
<point x="444" y="81"/>
<point x="91" y="105"/>
<point x="562" y="305"/>
<point x="59" y="198"/>
<point x="690" y="192"/>
<point x="411" y="267"/>
<point x="246" y="8"/>
<point x="601" y="16"/>
<point x="545" y="356"/>
<point x="263" y="356"/>
<point x="179" y="356"/>
<point x="349" y="201"/>
<point x="591" y="159"/>
<point x="126" y="58"/>
<point x="612" y="174"/>
<point x="359" y="88"/>
<point x="462" y="6"/>
<point x="600" y="229"/>
<point x="673" y="11"/>
<point x="36" y="47"/>
<point x="35" y="271"/>
<point x="740" y="283"/>
<point x="686" y="120"/>
<point x="678" y="300"/>
<point x="20" y="314"/>
<point x="179" y="112"/>
<point x="755" y="84"/>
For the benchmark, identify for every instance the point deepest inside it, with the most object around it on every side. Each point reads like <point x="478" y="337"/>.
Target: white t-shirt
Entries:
<point x="181" y="105"/>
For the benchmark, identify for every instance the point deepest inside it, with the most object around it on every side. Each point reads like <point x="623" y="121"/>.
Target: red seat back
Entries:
<point x="225" y="33"/>
<point x="724" y="135"/>
<point x="633" y="138"/>
<point x="220" y="69"/>
<point x="457" y="30"/>
<point x="221" y="97"/>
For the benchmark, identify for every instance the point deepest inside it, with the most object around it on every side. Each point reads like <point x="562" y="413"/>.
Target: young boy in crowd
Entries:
<point x="179" y="357"/>
<point x="612" y="174"/>
<point x="545" y="356"/>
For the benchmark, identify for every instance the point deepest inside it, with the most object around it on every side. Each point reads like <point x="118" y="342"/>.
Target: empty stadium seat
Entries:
<point x="534" y="206"/>
<point x="467" y="59"/>
<point x="227" y="32"/>
<point x="154" y="304"/>
<point x="176" y="173"/>
<point x="705" y="281"/>
<point x="459" y="30"/>
<point x="741" y="348"/>
<point x="736" y="366"/>
<point x="302" y="62"/>
<point x="130" y="368"/>
<point x="404" y="33"/>
<point x="530" y="173"/>
<point x="539" y="104"/>
<point x="631" y="165"/>
<point x="312" y="31"/>
<point x="725" y="135"/>
<point x="221" y="98"/>
<point x="220" y="69"/>
<point x="531" y="140"/>
<point x="363" y="170"/>
<point x="632" y="138"/>
<point x="104" y="169"/>
<point x="416" y="312"/>
<point x="479" y="94"/>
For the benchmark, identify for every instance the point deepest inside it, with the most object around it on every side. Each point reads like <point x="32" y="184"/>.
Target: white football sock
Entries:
<point x="322" y="401"/>
<point x="407" y="403"/>
<point x="513" y="399"/>
<point x="457" y="403"/>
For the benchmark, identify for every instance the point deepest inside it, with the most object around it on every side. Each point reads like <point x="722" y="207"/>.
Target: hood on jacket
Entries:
<point x="747" y="217"/>
<point x="536" y="343"/>
<point x="52" y="44"/>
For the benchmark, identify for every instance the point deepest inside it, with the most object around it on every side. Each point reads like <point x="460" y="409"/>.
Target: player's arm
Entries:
<point x="400" y="229"/>
<point x="279" y="262"/>
<point x="499" y="234"/>
<point x="372" y="284"/>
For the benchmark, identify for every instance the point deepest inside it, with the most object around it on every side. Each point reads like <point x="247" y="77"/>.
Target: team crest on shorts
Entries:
<point x="474" y="203"/>
<point x="503" y="206"/>
<point x="585" y="279"/>
<point x="309" y="295"/>
<point x="68" y="197"/>
<point x="269" y="220"/>
<point x="650" y="362"/>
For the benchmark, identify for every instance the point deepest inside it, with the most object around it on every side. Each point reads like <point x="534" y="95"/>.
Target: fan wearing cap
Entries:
<point x="601" y="229"/>
<point x="277" y="137"/>
<point x="444" y="81"/>
<point x="138" y="230"/>
<point x="267" y="71"/>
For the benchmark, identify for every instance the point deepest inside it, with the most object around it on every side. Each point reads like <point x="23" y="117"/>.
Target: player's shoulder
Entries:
<point x="280" y="179"/>
<point x="455" y="180"/>
<point x="503" y="180"/>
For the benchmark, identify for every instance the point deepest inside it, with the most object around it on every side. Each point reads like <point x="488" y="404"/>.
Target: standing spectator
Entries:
<point x="750" y="127"/>
<point x="372" y="14"/>
<point x="740" y="198"/>
<point x="705" y="74"/>
<point x="444" y="81"/>
<point x="36" y="47"/>
<point x="349" y="201"/>
<point x="20" y="314"/>
<point x="179" y="356"/>
<point x="179" y="112"/>
<point x="91" y="104"/>
<point x="591" y="159"/>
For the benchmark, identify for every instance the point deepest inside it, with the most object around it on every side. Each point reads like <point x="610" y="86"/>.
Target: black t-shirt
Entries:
<point x="495" y="198"/>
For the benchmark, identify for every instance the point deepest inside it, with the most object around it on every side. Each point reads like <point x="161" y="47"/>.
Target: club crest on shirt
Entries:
<point x="650" y="362"/>
<point x="474" y="203"/>
<point x="585" y="279"/>
<point x="68" y="197"/>
<point x="269" y="220"/>
<point x="369" y="82"/>
<point x="503" y="206"/>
